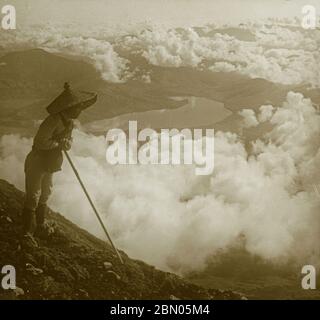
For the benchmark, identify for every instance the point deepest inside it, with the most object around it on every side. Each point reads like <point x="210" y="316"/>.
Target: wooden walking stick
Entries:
<point x="81" y="100"/>
<point x="92" y="205"/>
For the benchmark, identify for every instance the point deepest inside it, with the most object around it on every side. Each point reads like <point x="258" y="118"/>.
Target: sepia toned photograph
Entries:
<point x="159" y="150"/>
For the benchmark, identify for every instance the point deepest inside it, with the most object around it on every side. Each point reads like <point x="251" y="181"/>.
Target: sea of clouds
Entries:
<point x="166" y="215"/>
<point x="280" y="53"/>
<point x="171" y="218"/>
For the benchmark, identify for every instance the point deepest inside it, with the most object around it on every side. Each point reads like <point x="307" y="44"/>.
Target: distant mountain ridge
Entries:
<point x="30" y="79"/>
<point x="36" y="73"/>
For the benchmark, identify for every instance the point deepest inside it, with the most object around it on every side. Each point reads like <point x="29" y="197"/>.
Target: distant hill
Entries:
<point x="37" y="73"/>
<point x="30" y="79"/>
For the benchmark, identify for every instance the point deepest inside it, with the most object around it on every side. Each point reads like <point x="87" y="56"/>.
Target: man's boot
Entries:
<point x="28" y="221"/>
<point x="28" y="227"/>
<point x="43" y="229"/>
<point x="41" y="213"/>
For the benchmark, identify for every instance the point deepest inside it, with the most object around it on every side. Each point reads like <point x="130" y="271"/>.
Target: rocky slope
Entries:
<point x="73" y="264"/>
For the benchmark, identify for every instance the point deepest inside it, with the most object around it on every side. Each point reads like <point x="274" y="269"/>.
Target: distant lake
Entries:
<point x="197" y="112"/>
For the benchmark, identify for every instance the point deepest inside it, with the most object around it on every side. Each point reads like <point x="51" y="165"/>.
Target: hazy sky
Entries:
<point x="174" y="12"/>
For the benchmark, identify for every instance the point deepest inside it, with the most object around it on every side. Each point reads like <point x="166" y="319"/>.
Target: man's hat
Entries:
<point x="70" y="98"/>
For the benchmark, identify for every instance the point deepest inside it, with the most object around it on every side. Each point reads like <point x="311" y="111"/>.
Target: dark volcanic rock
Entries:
<point x="70" y="264"/>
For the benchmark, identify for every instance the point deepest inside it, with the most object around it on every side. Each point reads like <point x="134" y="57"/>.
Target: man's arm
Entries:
<point x="44" y="139"/>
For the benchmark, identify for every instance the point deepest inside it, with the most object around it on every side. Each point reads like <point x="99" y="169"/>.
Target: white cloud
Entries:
<point x="112" y="67"/>
<point x="266" y="112"/>
<point x="168" y="216"/>
<point x="249" y="118"/>
<point x="223" y="67"/>
<point x="280" y="54"/>
<point x="146" y="78"/>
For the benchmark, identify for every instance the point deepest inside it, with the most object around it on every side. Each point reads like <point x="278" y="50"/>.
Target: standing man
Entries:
<point x="54" y="135"/>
